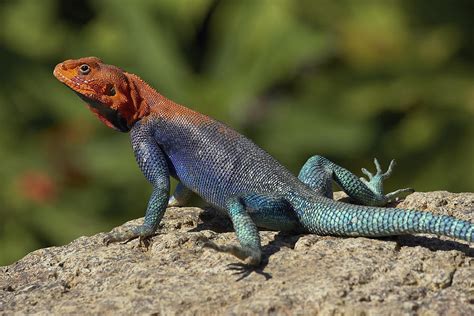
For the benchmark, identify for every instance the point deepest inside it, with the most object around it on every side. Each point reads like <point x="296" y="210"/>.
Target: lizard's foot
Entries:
<point x="251" y="257"/>
<point x="143" y="232"/>
<point x="375" y="184"/>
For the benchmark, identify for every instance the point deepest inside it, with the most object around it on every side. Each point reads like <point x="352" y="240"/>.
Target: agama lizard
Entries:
<point x="233" y="174"/>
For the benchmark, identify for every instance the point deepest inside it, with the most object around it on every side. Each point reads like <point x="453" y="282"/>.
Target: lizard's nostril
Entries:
<point x="63" y="67"/>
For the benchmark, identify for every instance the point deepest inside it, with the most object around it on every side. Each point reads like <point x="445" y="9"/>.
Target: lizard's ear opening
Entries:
<point x="110" y="90"/>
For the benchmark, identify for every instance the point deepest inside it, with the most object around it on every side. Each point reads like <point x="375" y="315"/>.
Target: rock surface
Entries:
<point x="305" y="274"/>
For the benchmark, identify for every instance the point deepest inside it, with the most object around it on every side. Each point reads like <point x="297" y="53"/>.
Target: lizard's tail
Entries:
<point x="335" y="218"/>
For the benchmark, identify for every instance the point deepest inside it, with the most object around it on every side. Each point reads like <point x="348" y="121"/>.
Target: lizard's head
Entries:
<point x="105" y="88"/>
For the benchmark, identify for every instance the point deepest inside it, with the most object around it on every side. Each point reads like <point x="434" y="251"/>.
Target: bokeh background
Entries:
<point x="350" y="80"/>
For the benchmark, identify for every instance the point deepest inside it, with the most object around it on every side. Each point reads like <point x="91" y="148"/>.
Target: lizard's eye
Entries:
<point x="84" y="69"/>
<point x="110" y="90"/>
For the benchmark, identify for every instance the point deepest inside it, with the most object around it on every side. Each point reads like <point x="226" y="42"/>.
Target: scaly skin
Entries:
<point x="232" y="173"/>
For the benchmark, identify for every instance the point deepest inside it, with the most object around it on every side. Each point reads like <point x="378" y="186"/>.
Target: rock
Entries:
<point x="305" y="274"/>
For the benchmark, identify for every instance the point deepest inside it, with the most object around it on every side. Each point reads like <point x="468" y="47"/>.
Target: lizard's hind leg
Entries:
<point x="318" y="173"/>
<point x="252" y="210"/>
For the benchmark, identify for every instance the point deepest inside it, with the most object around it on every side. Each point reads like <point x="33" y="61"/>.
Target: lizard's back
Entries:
<point x="215" y="161"/>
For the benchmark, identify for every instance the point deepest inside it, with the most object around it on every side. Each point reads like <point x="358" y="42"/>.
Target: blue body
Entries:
<point x="232" y="173"/>
<point x="220" y="165"/>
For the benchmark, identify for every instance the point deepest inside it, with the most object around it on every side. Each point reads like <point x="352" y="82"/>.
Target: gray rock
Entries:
<point x="304" y="274"/>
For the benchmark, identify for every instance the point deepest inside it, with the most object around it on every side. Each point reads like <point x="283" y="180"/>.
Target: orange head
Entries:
<point x="112" y="94"/>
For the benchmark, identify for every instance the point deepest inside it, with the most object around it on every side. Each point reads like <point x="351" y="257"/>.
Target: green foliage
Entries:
<point x="346" y="79"/>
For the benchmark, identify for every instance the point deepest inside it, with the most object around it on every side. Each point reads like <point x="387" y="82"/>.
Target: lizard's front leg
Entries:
<point x="152" y="162"/>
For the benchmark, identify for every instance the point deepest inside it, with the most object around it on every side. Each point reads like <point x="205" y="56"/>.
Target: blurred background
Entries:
<point x="350" y="80"/>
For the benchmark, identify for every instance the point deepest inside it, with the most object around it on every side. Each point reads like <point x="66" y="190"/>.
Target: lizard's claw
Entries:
<point x="379" y="173"/>
<point x="375" y="184"/>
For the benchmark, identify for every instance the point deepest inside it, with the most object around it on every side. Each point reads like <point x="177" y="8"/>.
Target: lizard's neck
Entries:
<point x="143" y="97"/>
<point x="148" y="102"/>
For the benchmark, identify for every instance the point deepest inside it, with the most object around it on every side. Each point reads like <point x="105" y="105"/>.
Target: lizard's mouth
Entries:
<point x="110" y="117"/>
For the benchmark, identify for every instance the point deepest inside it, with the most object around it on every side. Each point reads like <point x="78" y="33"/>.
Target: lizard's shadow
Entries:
<point x="212" y="219"/>
<point x="431" y="243"/>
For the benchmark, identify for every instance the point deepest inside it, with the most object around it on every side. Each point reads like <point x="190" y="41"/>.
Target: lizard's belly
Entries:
<point x="218" y="176"/>
<point x="215" y="180"/>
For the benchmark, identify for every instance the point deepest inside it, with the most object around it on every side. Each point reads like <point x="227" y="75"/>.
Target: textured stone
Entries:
<point x="304" y="274"/>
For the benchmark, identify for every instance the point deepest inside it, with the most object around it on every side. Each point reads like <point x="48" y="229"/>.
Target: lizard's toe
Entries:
<point x="145" y="233"/>
<point x="248" y="255"/>
<point x="399" y="193"/>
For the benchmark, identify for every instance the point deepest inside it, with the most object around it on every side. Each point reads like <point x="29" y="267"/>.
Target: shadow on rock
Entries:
<point x="432" y="243"/>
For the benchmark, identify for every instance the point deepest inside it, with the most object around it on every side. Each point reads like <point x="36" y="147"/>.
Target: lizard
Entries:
<point x="233" y="174"/>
